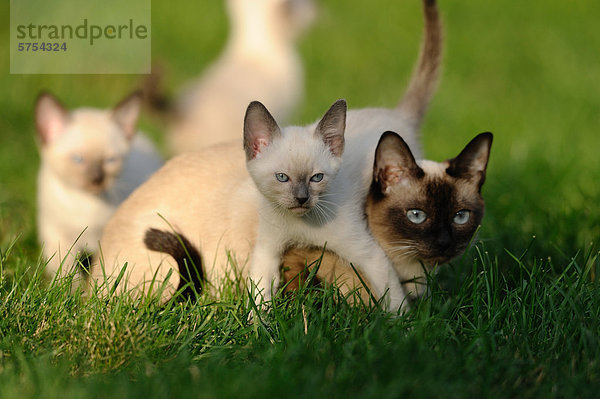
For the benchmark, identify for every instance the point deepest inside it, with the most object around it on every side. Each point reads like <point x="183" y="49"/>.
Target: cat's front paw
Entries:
<point x="260" y="300"/>
<point x="395" y="302"/>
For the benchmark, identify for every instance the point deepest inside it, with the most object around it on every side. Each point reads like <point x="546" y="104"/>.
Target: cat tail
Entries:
<point x="189" y="261"/>
<point x="156" y="100"/>
<point x="424" y="79"/>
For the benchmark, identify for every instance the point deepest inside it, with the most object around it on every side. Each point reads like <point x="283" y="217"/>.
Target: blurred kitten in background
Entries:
<point x="259" y="62"/>
<point x="91" y="160"/>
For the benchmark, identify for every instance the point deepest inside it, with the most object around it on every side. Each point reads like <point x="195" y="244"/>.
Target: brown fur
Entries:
<point x="299" y="262"/>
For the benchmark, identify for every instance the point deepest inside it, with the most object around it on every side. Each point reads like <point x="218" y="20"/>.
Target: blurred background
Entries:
<point x="527" y="71"/>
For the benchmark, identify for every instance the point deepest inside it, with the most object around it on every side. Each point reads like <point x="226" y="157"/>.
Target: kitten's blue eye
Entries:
<point x="462" y="216"/>
<point x="282" y="177"/>
<point x="111" y="159"/>
<point x="317" y="177"/>
<point x="77" y="158"/>
<point x="416" y="216"/>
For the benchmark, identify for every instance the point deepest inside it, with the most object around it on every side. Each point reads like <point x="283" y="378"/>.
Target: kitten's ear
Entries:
<point x="332" y="126"/>
<point x="472" y="161"/>
<point x="127" y="112"/>
<point x="394" y="162"/>
<point x="50" y="117"/>
<point x="260" y="129"/>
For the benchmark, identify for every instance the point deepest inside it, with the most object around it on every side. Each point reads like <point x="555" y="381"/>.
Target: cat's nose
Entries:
<point x="301" y="200"/>
<point x="444" y="240"/>
<point x="97" y="176"/>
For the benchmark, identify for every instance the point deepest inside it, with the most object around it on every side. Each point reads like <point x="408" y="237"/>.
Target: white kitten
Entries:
<point x="91" y="160"/>
<point x="259" y="63"/>
<point x="305" y="202"/>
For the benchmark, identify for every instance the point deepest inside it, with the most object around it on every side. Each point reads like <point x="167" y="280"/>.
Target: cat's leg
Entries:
<point x="264" y="266"/>
<point x="368" y="257"/>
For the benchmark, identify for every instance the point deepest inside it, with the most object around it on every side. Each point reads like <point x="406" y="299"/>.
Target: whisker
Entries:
<point x="401" y="242"/>
<point x="321" y="214"/>
<point x="396" y="249"/>
<point x="400" y="256"/>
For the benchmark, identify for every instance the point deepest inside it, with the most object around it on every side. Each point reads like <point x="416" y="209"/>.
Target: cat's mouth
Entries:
<point x="299" y="210"/>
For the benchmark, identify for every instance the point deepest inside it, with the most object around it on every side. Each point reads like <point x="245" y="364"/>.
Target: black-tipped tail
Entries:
<point x="185" y="254"/>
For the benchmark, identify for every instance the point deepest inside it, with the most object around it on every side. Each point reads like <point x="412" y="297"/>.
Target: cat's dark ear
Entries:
<point x="50" y="117"/>
<point x="472" y="161"/>
<point x="332" y="126"/>
<point x="394" y="162"/>
<point x="127" y="112"/>
<point x="260" y="129"/>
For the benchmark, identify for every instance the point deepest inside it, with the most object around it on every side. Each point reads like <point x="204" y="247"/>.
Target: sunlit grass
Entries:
<point x="516" y="317"/>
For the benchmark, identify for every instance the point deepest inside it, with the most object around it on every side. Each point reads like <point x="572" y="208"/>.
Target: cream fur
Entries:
<point x="207" y="196"/>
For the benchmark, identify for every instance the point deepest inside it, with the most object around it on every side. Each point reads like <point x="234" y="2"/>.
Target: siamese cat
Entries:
<point x="259" y="62"/>
<point x="91" y="160"/>
<point x="209" y="198"/>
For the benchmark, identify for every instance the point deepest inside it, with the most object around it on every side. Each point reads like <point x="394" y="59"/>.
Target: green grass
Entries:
<point x="517" y="316"/>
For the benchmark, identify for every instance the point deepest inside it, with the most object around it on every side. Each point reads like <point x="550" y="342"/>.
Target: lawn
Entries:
<point x="517" y="316"/>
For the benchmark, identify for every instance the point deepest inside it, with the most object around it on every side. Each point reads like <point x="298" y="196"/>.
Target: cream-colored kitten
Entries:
<point x="209" y="198"/>
<point x="259" y="62"/>
<point x="91" y="160"/>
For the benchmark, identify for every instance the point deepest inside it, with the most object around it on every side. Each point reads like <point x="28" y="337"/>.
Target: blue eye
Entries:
<point x="111" y="159"/>
<point x="317" y="177"/>
<point x="77" y="158"/>
<point x="462" y="217"/>
<point x="416" y="216"/>
<point x="282" y="177"/>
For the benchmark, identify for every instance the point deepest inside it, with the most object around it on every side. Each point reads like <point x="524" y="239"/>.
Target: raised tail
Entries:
<point x="189" y="261"/>
<point x="423" y="82"/>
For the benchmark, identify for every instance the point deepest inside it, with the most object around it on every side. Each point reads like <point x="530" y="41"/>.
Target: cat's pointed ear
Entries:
<point x="332" y="126"/>
<point x="394" y="162"/>
<point x="472" y="161"/>
<point x="260" y="129"/>
<point x="127" y="112"/>
<point x="50" y="117"/>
